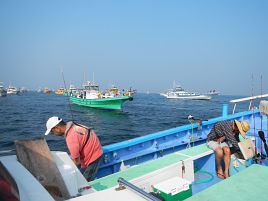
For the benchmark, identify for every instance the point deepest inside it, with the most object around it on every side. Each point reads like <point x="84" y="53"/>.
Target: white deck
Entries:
<point x="111" y="194"/>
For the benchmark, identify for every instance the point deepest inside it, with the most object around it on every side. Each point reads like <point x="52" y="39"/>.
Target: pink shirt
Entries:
<point x="76" y="137"/>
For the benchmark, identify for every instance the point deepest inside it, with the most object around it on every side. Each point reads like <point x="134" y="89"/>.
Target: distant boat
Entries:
<point x="3" y="91"/>
<point x="179" y="93"/>
<point x="11" y="90"/>
<point x="60" y="91"/>
<point x="90" y="96"/>
<point x="130" y="92"/>
<point x="72" y="91"/>
<point x="47" y="90"/>
<point x="23" y="90"/>
<point x="213" y="92"/>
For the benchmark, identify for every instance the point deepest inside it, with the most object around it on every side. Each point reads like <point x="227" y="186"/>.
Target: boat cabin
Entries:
<point x="90" y="91"/>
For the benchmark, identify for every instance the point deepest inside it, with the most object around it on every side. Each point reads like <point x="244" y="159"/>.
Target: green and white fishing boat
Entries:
<point x="90" y="96"/>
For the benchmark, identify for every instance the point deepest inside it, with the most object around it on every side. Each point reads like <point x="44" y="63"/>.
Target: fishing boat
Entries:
<point x="11" y="90"/>
<point x="174" y="164"/>
<point x="3" y="91"/>
<point x="130" y="92"/>
<point x="23" y="90"/>
<point x="90" y="96"/>
<point x="213" y="92"/>
<point x="39" y="90"/>
<point x="72" y="91"/>
<point x="47" y="90"/>
<point x="60" y="91"/>
<point x="179" y="93"/>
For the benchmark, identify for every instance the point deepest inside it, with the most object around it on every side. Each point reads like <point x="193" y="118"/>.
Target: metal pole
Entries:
<point x="225" y="110"/>
<point x="146" y="195"/>
<point x="234" y="108"/>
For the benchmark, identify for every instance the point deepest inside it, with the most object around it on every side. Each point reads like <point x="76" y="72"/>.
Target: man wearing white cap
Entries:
<point x="222" y="135"/>
<point x="82" y="142"/>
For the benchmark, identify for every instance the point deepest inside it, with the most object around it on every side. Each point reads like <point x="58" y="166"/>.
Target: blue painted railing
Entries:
<point x="152" y="146"/>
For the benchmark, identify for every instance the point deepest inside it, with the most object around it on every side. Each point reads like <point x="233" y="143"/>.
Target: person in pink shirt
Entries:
<point x="83" y="143"/>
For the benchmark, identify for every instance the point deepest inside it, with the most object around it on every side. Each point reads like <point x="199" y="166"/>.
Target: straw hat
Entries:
<point x="243" y="127"/>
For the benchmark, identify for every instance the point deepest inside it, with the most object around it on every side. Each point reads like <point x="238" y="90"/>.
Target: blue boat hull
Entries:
<point x="152" y="146"/>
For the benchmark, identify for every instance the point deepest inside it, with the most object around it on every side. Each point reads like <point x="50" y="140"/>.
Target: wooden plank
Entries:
<point x="35" y="156"/>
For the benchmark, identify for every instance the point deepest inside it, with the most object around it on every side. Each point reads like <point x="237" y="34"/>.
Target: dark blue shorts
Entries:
<point x="90" y="172"/>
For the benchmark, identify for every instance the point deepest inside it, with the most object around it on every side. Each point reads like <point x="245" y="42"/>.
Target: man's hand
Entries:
<point x="77" y="161"/>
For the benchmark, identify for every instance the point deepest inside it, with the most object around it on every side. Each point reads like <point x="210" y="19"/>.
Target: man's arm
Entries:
<point x="231" y="138"/>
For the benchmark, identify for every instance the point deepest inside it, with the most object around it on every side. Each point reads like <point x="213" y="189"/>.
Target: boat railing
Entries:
<point x="125" y="184"/>
<point x="250" y="99"/>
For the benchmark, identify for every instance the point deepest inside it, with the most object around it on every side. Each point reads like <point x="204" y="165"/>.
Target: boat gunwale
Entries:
<point x="142" y="139"/>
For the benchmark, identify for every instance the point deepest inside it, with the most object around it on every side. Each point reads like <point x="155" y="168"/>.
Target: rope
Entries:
<point x="67" y="97"/>
<point x="209" y="179"/>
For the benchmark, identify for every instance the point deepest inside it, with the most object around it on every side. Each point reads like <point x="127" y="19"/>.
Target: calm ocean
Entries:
<point x="24" y="116"/>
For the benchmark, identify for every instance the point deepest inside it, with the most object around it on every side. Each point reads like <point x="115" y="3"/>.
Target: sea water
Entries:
<point x="24" y="116"/>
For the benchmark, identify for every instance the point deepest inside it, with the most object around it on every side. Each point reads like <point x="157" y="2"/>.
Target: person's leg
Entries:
<point x="227" y="159"/>
<point x="91" y="170"/>
<point x="215" y="146"/>
<point x="219" y="155"/>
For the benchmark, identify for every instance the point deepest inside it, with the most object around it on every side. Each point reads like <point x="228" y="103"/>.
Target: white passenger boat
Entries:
<point x="179" y="93"/>
<point x="11" y="90"/>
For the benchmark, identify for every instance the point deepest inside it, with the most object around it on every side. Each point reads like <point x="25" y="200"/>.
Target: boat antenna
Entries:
<point x="69" y="103"/>
<point x="253" y="113"/>
<point x="261" y="117"/>
<point x="85" y="79"/>
<point x="93" y="78"/>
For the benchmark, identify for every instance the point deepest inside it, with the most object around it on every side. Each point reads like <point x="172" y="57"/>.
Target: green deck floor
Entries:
<point x="249" y="185"/>
<point x="140" y="170"/>
<point x="194" y="151"/>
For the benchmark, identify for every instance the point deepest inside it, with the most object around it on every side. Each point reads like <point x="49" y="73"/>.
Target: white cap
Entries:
<point x="51" y="123"/>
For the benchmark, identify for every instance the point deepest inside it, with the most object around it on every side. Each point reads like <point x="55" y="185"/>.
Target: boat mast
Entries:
<point x="85" y="77"/>
<point x="93" y="78"/>
<point x="174" y="84"/>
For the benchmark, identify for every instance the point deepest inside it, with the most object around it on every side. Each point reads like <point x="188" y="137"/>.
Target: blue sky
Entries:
<point x="143" y="44"/>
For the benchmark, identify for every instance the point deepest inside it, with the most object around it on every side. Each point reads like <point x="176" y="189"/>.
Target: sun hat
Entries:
<point x="243" y="127"/>
<point x="51" y="123"/>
